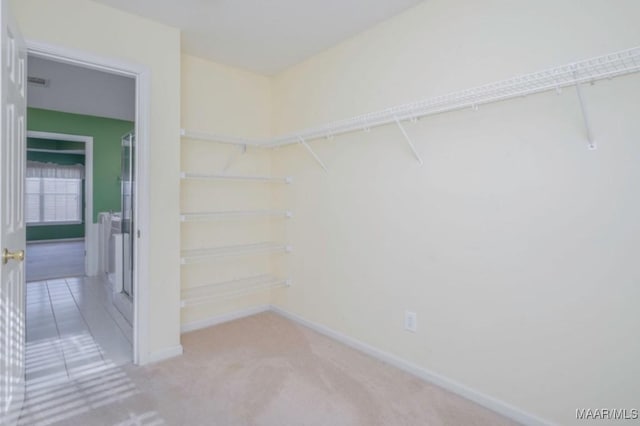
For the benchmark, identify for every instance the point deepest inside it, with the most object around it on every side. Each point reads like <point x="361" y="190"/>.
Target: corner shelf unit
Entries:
<point x="229" y="289"/>
<point x="218" y="258"/>
<point x="212" y="253"/>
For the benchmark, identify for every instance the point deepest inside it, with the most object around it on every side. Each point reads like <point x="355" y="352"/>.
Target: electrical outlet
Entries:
<point x="410" y="321"/>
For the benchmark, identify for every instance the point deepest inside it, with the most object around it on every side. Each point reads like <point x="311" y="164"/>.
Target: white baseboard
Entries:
<point x="479" y="398"/>
<point x="219" y="319"/>
<point x="164" y="354"/>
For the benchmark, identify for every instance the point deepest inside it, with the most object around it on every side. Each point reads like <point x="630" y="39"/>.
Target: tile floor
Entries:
<point x="76" y="343"/>
<point x="55" y="260"/>
<point x="78" y="313"/>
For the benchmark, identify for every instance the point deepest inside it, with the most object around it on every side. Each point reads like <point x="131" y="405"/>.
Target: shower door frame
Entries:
<point x="130" y="271"/>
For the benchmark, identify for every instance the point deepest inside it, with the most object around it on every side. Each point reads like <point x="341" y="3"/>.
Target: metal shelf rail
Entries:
<point x="205" y="176"/>
<point x="570" y="75"/>
<point x="229" y="289"/>
<point x="204" y="254"/>
<point x="204" y="216"/>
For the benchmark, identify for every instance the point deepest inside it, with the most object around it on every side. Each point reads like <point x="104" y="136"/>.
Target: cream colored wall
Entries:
<point x="515" y="245"/>
<point x="91" y="27"/>
<point x="224" y="100"/>
<point x="442" y="46"/>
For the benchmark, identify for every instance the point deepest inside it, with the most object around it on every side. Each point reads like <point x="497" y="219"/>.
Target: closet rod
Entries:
<point x="587" y="71"/>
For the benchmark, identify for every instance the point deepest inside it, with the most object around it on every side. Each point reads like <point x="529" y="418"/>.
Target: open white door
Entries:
<point x="13" y="64"/>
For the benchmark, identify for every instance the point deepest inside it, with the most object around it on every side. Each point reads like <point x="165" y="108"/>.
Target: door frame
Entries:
<point x="142" y="76"/>
<point x="89" y="237"/>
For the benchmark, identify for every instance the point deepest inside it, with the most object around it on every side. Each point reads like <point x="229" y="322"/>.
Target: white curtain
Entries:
<point x="51" y="170"/>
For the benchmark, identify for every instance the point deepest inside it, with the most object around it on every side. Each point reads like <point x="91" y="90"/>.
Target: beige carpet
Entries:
<point x="267" y="370"/>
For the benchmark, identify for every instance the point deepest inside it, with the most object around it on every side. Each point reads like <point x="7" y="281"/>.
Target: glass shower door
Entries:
<point x="127" y="191"/>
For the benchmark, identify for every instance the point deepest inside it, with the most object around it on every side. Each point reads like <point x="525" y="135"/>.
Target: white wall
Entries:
<point x="100" y="30"/>
<point x="81" y="90"/>
<point x="516" y="246"/>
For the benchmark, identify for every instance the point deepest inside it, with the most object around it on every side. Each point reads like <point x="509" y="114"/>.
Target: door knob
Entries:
<point x="15" y="255"/>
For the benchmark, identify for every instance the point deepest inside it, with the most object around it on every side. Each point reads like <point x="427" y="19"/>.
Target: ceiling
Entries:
<point x="70" y="88"/>
<point x="264" y="36"/>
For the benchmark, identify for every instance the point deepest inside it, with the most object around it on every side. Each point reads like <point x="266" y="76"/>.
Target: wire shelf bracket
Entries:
<point x="585" y="115"/>
<point x="313" y="154"/>
<point x="410" y="142"/>
<point x="233" y="157"/>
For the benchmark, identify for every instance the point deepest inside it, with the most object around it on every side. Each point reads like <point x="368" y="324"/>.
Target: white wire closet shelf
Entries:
<point x="586" y="71"/>
<point x="205" y="216"/>
<point x="202" y="255"/>
<point x="229" y="289"/>
<point x="212" y="137"/>
<point x="247" y="178"/>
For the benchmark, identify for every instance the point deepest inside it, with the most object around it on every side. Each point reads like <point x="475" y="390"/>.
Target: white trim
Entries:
<point x="59" y="137"/>
<point x="479" y="398"/>
<point x="83" y="58"/>
<point x="58" y="151"/>
<point x="142" y="75"/>
<point x="142" y="210"/>
<point x="56" y="240"/>
<point x="88" y="188"/>
<point x="219" y="319"/>
<point x="164" y="354"/>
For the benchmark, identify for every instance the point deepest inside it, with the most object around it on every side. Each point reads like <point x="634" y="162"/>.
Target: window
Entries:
<point x="53" y="195"/>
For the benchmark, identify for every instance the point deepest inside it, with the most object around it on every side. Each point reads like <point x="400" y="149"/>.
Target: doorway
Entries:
<point x="58" y="201"/>
<point x="142" y="77"/>
<point x="80" y="285"/>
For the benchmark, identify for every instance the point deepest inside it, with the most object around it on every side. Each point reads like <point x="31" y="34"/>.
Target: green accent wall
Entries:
<point x="55" y="232"/>
<point x="107" y="139"/>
